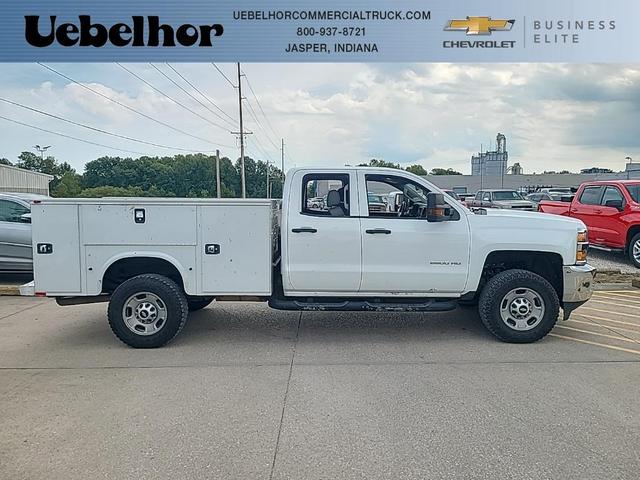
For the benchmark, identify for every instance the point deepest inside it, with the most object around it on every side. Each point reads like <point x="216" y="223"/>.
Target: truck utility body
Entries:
<point x="323" y="248"/>
<point x="611" y="212"/>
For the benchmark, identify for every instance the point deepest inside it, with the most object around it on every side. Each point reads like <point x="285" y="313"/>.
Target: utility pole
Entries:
<point x="218" y="193"/>
<point x="282" y="160"/>
<point x="242" y="180"/>
<point x="267" y="160"/>
<point x="481" y="168"/>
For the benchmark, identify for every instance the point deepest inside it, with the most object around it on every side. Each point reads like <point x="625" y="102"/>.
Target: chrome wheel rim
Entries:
<point x="144" y="313"/>
<point x="522" y="309"/>
<point x="636" y="251"/>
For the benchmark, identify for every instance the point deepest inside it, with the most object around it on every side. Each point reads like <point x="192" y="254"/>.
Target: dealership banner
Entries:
<point x="320" y="31"/>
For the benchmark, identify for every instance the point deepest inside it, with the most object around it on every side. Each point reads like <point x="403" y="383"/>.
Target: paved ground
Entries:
<point x="250" y="393"/>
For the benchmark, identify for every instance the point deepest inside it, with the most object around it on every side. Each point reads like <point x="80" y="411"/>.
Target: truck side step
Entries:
<point x="371" y="305"/>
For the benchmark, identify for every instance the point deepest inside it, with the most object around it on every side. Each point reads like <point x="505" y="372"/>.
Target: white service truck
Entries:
<point x="156" y="259"/>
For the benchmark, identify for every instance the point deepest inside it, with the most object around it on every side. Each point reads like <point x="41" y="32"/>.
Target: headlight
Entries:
<point x="582" y="247"/>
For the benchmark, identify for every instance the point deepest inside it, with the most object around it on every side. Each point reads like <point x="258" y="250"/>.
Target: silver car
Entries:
<point x="15" y="231"/>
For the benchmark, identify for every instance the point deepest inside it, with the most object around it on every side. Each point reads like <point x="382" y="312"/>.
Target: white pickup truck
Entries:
<point x="155" y="259"/>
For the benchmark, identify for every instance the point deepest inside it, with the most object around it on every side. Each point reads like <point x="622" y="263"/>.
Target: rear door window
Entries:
<point x="591" y="195"/>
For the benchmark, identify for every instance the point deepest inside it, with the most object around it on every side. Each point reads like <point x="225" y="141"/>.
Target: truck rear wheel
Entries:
<point x="147" y="311"/>
<point x="519" y="306"/>
<point x="634" y="250"/>
<point x="198" y="303"/>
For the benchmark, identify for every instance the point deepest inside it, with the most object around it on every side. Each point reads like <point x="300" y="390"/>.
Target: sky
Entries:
<point x="555" y="116"/>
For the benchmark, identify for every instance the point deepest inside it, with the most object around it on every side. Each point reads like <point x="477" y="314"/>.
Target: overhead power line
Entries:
<point x="123" y="105"/>
<point x="106" y="132"/>
<point x="233" y="121"/>
<point x="260" y="106"/>
<point x="186" y="92"/>
<point x="225" y="77"/>
<point x="259" y="124"/>
<point x="70" y="137"/>
<point x="150" y="85"/>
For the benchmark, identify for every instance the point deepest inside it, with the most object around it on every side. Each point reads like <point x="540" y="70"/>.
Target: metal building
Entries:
<point x="19" y="180"/>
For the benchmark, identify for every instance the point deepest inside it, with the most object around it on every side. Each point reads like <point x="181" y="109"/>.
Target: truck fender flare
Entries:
<point x="147" y="254"/>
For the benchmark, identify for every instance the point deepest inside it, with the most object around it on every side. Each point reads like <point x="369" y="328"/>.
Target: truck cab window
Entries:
<point x="392" y="196"/>
<point x="11" y="211"/>
<point x="591" y="195"/>
<point x="611" y="193"/>
<point x="326" y="195"/>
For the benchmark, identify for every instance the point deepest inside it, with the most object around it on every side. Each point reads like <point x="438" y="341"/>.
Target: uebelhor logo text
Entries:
<point x="140" y="33"/>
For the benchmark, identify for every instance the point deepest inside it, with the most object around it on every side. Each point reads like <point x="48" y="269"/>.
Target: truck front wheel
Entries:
<point x="147" y="311"/>
<point x="519" y="306"/>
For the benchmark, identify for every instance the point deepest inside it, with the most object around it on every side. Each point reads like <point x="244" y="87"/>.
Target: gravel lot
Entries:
<point x="611" y="261"/>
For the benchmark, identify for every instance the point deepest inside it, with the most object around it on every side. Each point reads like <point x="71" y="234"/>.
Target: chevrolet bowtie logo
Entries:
<point x="479" y="25"/>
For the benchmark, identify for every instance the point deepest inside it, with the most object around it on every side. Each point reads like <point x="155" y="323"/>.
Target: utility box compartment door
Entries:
<point x="56" y="249"/>
<point x="142" y="224"/>
<point x="235" y="249"/>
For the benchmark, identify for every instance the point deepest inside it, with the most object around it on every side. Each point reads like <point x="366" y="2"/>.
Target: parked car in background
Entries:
<point x="501" y="199"/>
<point x="377" y="203"/>
<point x="15" y="231"/>
<point x="538" y="197"/>
<point x="558" y="190"/>
<point x="611" y="212"/>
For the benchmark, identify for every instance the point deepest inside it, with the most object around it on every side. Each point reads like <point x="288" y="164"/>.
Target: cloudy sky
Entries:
<point x="554" y="116"/>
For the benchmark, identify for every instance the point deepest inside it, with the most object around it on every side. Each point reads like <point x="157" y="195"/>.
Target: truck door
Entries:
<point x="586" y="207"/>
<point x="611" y="227"/>
<point x="404" y="253"/>
<point x="322" y="249"/>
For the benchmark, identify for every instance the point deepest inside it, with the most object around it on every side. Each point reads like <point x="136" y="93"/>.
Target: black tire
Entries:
<point x="198" y="303"/>
<point x="635" y="241"/>
<point x="172" y="300"/>
<point x="501" y="285"/>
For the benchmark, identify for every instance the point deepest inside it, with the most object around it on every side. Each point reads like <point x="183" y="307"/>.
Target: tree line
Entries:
<point x="415" y="169"/>
<point x="192" y="175"/>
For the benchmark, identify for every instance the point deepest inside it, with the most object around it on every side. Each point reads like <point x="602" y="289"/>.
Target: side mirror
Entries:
<point x="25" y="218"/>
<point x="617" y="204"/>
<point x="437" y="209"/>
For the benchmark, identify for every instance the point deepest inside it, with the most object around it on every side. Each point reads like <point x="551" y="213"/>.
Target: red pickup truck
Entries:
<point x="611" y="212"/>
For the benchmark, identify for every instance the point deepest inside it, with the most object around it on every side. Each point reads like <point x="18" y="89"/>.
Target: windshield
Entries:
<point x="634" y="191"/>
<point x="507" y="195"/>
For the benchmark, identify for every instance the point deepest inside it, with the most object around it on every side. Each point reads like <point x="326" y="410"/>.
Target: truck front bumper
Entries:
<point x="578" y="286"/>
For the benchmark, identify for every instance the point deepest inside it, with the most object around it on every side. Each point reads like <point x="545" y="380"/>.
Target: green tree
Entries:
<point x="5" y="161"/>
<point x="444" y="171"/>
<point x="48" y="165"/>
<point x="417" y="169"/>
<point x="111" y="191"/>
<point x="374" y="162"/>
<point x="69" y="185"/>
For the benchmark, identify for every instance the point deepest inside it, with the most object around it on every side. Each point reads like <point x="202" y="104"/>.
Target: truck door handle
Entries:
<point x="598" y="211"/>
<point x="304" y="230"/>
<point x="374" y="231"/>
